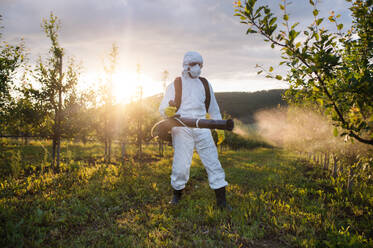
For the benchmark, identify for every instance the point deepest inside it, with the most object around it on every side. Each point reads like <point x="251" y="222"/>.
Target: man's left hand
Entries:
<point x="221" y="136"/>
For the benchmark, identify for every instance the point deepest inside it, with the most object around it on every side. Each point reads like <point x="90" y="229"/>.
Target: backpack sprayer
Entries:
<point x="162" y="129"/>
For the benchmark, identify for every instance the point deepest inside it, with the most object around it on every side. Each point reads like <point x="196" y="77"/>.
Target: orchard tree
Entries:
<point x="105" y="124"/>
<point x="25" y="117"/>
<point x="331" y="70"/>
<point x="11" y="57"/>
<point x="57" y="83"/>
<point x="79" y="111"/>
<point x="124" y="129"/>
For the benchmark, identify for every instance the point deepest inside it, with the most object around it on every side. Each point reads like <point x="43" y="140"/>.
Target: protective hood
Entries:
<point x="192" y="64"/>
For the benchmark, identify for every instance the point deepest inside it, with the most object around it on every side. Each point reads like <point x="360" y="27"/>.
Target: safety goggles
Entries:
<point x="195" y="63"/>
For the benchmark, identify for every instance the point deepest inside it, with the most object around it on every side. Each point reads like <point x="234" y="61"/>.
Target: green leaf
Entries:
<point x="298" y="44"/>
<point x="272" y="45"/>
<point x="292" y="35"/>
<point x="340" y="26"/>
<point x="317" y="36"/>
<point x="282" y="6"/>
<point x="312" y="3"/>
<point x="315" y="12"/>
<point x="278" y="77"/>
<point x="286" y="17"/>
<point x="319" y="21"/>
<point x="259" y="72"/>
<point x="270" y="69"/>
<point x="294" y="25"/>
<point x="250" y="31"/>
<point x="272" y="21"/>
<point x="335" y="132"/>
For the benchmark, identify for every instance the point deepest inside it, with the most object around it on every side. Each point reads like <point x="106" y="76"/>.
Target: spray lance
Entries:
<point x="162" y="129"/>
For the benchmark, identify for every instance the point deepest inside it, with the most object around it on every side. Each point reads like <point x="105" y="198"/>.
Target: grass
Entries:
<point x="278" y="200"/>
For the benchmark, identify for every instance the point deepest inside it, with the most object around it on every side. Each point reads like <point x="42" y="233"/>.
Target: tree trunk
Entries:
<point x="326" y="161"/>
<point x="53" y="152"/>
<point x="341" y="169"/>
<point x="59" y="117"/>
<point x="317" y="159"/>
<point x="123" y="151"/>
<point x="314" y="158"/>
<point x="350" y="181"/>
<point x="106" y="151"/>
<point x="109" y="151"/>
<point x="139" y="139"/>
<point x="58" y="153"/>
<point x="160" y="147"/>
<point x="58" y="158"/>
<point x="335" y="166"/>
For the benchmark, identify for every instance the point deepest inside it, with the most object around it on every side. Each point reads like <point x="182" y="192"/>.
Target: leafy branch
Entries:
<point x="318" y="59"/>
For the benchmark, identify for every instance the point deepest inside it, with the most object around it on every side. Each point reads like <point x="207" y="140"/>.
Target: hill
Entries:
<point x="243" y="105"/>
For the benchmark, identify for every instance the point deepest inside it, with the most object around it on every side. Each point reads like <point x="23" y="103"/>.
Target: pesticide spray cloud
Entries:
<point x="245" y="130"/>
<point x="304" y="130"/>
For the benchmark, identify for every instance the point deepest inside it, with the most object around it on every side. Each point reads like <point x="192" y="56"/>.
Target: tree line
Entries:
<point x="42" y="101"/>
<point x="57" y="109"/>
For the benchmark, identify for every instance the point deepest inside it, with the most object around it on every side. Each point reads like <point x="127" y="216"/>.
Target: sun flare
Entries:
<point x="126" y="86"/>
<point x="129" y="86"/>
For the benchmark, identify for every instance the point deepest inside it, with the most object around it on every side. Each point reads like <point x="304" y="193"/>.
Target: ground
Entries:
<point x="278" y="200"/>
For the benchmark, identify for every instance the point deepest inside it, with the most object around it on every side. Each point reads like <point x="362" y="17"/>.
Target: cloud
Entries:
<point x="154" y="33"/>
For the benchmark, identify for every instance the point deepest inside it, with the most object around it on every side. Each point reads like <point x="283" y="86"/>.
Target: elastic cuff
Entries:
<point x="218" y="186"/>
<point x="178" y="187"/>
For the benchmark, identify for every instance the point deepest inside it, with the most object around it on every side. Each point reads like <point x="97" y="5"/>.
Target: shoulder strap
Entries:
<point x="207" y="92"/>
<point x="178" y="92"/>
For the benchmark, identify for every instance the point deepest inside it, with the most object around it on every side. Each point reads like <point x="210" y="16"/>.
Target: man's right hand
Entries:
<point x="170" y="111"/>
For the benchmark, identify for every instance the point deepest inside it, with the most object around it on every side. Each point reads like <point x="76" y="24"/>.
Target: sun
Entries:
<point x="128" y="86"/>
<point x="125" y="86"/>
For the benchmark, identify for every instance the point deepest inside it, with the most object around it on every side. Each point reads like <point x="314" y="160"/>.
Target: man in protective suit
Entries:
<point x="185" y="139"/>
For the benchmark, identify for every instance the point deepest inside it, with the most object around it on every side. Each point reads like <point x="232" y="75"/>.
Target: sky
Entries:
<point x="156" y="34"/>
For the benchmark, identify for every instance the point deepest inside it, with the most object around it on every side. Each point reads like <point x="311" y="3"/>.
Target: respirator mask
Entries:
<point x="194" y="69"/>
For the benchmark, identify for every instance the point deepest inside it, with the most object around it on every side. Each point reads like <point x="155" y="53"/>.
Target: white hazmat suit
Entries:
<point x="185" y="139"/>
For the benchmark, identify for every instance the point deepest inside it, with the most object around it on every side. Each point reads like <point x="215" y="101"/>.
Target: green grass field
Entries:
<point x="278" y="200"/>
